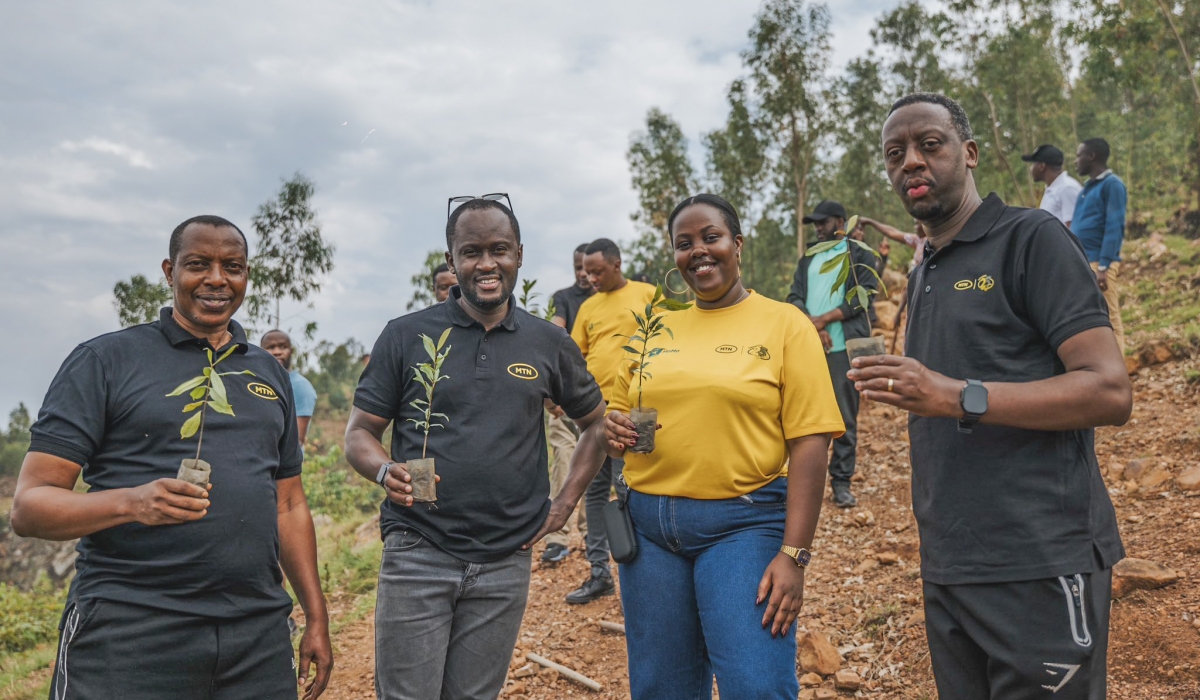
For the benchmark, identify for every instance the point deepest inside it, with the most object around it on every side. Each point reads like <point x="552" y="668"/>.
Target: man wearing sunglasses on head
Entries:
<point x="454" y="578"/>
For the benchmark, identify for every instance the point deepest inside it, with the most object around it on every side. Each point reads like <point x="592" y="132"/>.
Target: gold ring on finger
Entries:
<point x="891" y="383"/>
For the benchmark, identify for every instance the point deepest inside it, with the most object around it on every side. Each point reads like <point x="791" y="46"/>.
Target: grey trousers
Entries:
<point x="598" y="493"/>
<point x="445" y="628"/>
<point x="842" y="463"/>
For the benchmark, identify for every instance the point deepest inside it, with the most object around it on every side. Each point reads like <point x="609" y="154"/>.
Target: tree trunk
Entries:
<point x="1000" y="149"/>
<point x="1191" y="72"/>
<point x="800" y="180"/>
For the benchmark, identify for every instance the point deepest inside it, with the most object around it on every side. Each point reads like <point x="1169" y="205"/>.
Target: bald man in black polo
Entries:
<point x="1011" y="363"/>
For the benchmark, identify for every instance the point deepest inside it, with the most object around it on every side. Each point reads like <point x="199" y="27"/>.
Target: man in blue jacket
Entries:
<point x="1099" y="223"/>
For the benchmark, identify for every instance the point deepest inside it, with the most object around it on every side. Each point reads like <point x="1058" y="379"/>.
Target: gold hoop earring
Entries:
<point x="667" y="283"/>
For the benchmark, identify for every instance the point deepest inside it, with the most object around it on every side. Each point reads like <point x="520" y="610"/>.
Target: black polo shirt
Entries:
<point x="108" y="411"/>
<point x="567" y="302"/>
<point x="491" y="454"/>
<point x="1005" y="504"/>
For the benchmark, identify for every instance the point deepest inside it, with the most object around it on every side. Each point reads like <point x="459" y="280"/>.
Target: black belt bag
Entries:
<point x="622" y="542"/>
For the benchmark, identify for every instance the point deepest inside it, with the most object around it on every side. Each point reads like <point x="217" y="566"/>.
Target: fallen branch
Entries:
<point x="612" y="626"/>
<point x="573" y="675"/>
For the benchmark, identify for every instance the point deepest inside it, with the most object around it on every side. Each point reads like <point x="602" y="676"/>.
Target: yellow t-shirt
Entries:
<point x="730" y="389"/>
<point x="601" y="316"/>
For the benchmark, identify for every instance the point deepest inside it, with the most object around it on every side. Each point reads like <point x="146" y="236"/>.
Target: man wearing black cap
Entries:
<point x="1046" y="165"/>
<point x="824" y="300"/>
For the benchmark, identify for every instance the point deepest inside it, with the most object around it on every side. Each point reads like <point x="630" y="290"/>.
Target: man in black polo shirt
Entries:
<point x="1011" y="364"/>
<point x="455" y="576"/>
<point x="560" y="434"/>
<point x="177" y="592"/>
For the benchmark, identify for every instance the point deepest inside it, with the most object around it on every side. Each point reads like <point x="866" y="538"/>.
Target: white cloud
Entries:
<point x="122" y="119"/>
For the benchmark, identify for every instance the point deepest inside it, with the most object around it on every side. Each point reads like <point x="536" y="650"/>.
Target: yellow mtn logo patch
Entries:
<point x="520" y="370"/>
<point x="262" y="391"/>
<point x="983" y="284"/>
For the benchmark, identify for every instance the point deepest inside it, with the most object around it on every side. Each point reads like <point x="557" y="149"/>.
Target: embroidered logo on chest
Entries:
<point x="262" y="391"/>
<point x="520" y="370"/>
<point x="983" y="283"/>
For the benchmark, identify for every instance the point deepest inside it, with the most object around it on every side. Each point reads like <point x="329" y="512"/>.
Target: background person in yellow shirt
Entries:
<point x="723" y="528"/>
<point x="600" y="318"/>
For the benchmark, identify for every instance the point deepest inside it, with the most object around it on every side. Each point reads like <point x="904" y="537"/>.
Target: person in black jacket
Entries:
<point x="837" y="320"/>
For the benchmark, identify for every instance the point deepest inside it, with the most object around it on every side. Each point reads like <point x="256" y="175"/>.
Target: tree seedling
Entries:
<point x="427" y="374"/>
<point x="206" y="390"/>
<point x="650" y="325"/>
<point x="847" y="268"/>
<point x="527" y="301"/>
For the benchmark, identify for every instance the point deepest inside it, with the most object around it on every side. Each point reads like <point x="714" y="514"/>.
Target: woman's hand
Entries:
<point x="619" y="433"/>
<point x="782" y="586"/>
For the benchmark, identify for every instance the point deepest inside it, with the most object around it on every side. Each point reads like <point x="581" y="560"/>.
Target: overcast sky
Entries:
<point x="120" y="119"/>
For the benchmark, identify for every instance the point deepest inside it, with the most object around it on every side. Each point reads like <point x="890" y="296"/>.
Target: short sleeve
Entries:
<point x="809" y="406"/>
<point x="71" y="421"/>
<point x="1057" y="286"/>
<point x="573" y="387"/>
<point x="306" y="396"/>
<point x="291" y="452"/>
<point x="382" y="381"/>
<point x="561" y="305"/>
<point x="579" y="333"/>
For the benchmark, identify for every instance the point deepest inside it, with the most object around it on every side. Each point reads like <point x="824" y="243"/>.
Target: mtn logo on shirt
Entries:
<point x="262" y="391"/>
<point x="521" y="370"/>
<point x="983" y="284"/>
<point x="727" y="349"/>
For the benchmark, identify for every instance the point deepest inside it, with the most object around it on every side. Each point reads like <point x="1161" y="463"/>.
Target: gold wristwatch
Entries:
<point x="800" y="554"/>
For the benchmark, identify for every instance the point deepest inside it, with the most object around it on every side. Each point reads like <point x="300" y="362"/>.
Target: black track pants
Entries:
<point x="115" y="651"/>
<point x="1044" y="639"/>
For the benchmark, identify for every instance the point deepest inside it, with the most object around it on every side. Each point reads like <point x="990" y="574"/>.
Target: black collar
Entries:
<point x="177" y="335"/>
<point x="982" y="220"/>
<point x="460" y="317"/>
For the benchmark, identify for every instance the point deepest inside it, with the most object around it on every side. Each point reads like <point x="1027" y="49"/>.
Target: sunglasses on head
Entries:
<point x="462" y="199"/>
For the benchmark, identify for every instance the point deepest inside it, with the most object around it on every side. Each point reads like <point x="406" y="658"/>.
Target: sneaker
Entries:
<point x="842" y="498"/>
<point x="554" y="553"/>
<point x="593" y="588"/>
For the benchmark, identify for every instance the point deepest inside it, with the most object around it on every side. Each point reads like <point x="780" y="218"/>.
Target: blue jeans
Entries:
<point x="689" y="598"/>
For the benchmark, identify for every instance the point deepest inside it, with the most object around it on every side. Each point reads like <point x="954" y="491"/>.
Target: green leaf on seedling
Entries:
<point x="208" y="352"/>
<point x="670" y="333"/>
<point x="218" y="389"/>
<point x="190" y="426"/>
<point x="863" y="297"/>
<point x="852" y="223"/>
<point x="442" y="340"/>
<point x="189" y="384"/>
<point x="192" y="406"/>
<point x="198" y="392"/>
<point x="841" y="278"/>
<point x="245" y="371"/>
<point x="864" y="246"/>
<point x="227" y="354"/>
<point x="820" y="248"/>
<point x="831" y="263"/>
<point x="429" y="348"/>
<point x="629" y="349"/>
<point x="655" y="352"/>
<point x="221" y="407"/>
<point x="443" y="416"/>
<point x="206" y="371"/>
<point x="674" y="305"/>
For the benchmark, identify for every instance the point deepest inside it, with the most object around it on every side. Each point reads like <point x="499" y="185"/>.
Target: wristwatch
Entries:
<point x="974" y="402"/>
<point x="383" y="470"/>
<point x="800" y="554"/>
<point x="1102" y="268"/>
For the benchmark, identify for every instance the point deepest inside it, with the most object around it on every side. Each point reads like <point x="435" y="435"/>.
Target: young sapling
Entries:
<point x="847" y="268"/>
<point x="650" y="325"/>
<point x="206" y="390"/>
<point x="427" y="374"/>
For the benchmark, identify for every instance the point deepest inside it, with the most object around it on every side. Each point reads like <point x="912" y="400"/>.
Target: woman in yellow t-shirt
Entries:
<point x="722" y="527"/>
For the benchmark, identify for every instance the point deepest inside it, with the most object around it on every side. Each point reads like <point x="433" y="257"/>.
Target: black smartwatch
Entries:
<point x="974" y="402"/>
<point x="383" y="472"/>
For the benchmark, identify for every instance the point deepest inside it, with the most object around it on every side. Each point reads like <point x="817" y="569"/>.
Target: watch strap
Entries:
<point x="801" y="555"/>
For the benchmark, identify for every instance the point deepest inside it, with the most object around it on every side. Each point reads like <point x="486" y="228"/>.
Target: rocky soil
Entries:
<point x="864" y="587"/>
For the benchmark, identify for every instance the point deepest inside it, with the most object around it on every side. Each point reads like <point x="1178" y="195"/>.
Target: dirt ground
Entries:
<point x="864" y="588"/>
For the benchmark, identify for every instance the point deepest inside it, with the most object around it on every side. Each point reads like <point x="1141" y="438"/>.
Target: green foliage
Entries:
<point x="138" y="300"/>
<point x="527" y="301"/>
<point x="338" y="368"/>
<point x="14" y="442"/>
<point x="428" y="374"/>
<point x="423" y="283"/>
<point x="205" y="391"/>
<point x="662" y="176"/>
<point x="290" y="255"/>
<point x="847" y="268"/>
<point x="28" y="619"/>
<point x="650" y="325"/>
<point x="334" y="489"/>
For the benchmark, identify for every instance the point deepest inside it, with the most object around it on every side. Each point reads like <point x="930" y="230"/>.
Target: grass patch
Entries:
<point x="875" y="621"/>
<point x="333" y="488"/>
<point x="19" y="673"/>
<point x="1161" y="297"/>
<point x="28" y="619"/>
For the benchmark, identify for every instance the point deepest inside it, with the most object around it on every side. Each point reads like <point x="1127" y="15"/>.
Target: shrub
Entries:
<point x="28" y="619"/>
<point x="334" y="489"/>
